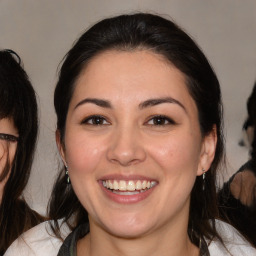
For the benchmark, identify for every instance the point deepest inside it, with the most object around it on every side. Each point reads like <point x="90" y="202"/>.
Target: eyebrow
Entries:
<point x="157" y="101"/>
<point x="98" y="102"/>
<point x="145" y="104"/>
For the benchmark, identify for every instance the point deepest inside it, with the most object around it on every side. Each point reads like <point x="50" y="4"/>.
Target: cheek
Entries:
<point x="2" y="185"/>
<point x="2" y="157"/>
<point x="83" y="155"/>
<point x="12" y="151"/>
<point x="3" y="162"/>
<point x="6" y="152"/>
<point x="180" y="152"/>
<point x="2" y="165"/>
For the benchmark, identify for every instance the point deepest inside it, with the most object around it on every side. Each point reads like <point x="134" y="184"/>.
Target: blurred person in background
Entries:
<point x="18" y="136"/>
<point x="237" y="198"/>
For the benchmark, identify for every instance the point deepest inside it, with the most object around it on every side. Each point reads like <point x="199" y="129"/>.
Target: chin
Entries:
<point x="128" y="228"/>
<point x="131" y="233"/>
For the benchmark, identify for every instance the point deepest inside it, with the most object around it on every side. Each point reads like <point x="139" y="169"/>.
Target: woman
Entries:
<point x="18" y="133"/>
<point x="139" y="130"/>
<point x="237" y="198"/>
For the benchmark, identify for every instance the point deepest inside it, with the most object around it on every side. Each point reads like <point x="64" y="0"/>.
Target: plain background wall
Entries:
<point x="41" y="32"/>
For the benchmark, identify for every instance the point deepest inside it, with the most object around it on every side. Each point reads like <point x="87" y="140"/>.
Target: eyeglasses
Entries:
<point x="8" y="137"/>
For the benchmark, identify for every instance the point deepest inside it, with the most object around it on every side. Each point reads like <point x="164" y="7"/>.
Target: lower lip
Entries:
<point x="127" y="199"/>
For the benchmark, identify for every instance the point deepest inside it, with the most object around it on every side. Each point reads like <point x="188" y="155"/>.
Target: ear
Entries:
<point x="207" y="151"/>
<point x="60" y="146"/>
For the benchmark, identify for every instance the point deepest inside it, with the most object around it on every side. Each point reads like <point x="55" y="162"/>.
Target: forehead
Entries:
<point x="131" y="75"/>
<point x="7" y="126"/>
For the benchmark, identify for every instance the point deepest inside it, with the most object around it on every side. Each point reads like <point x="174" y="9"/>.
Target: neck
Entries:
<point x="164" y="242"/>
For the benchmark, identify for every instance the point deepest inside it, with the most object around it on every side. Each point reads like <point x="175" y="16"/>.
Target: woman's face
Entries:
<point x="7" y="148"/>
<point x="133" y="144"/>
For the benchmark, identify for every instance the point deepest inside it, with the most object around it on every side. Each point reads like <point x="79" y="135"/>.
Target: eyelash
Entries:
<point x="158" y="120"/>
<point x="91" y="120"/>
<point x="8" y="137"/>
<point x="161" y="118"/>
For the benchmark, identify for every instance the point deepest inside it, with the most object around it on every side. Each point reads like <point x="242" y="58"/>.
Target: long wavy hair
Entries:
<point x="164" y="37"/>
<point x="17" y="103"/>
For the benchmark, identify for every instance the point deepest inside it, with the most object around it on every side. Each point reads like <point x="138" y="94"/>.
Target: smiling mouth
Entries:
<point x="131" y="187"/>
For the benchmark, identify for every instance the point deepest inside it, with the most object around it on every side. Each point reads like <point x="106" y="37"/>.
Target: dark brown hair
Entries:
<point x="18" y="103"/>
<point x="251" y="109"/>
<point x="164" y="37"/>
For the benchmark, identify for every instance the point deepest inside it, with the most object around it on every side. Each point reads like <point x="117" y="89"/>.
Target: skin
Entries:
<point x="128" y="142"/>
<point x="6" y="149"/>
<point x="250" y="134"/>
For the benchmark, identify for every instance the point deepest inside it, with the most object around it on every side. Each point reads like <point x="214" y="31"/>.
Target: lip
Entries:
<point x="126" y="199"/>
<point x="126" y="177"/>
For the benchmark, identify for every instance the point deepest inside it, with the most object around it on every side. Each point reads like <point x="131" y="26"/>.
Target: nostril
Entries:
<point x="124" y="162"/>
<point x="126" y="148"/>
<point x="125" y="156"/>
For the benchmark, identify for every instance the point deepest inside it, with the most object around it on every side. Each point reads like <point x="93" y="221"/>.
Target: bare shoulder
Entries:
<point x="38" y="241"/>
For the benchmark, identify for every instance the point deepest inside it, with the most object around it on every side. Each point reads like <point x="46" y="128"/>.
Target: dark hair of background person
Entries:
<point x="129" y="33"/>
<point x="251" y="109"/>
<point x="17" y="102"/>
<point x="242" y="217"/>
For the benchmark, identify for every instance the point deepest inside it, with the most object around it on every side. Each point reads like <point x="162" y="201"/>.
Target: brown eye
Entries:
<point x="160" y="120"/>
<point x="95" y="120"/>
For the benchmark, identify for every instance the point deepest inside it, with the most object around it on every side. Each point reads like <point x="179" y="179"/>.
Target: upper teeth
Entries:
<point x="130" y="185"/>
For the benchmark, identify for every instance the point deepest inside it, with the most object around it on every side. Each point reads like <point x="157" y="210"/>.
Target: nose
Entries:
<point x="126" y="147"/>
